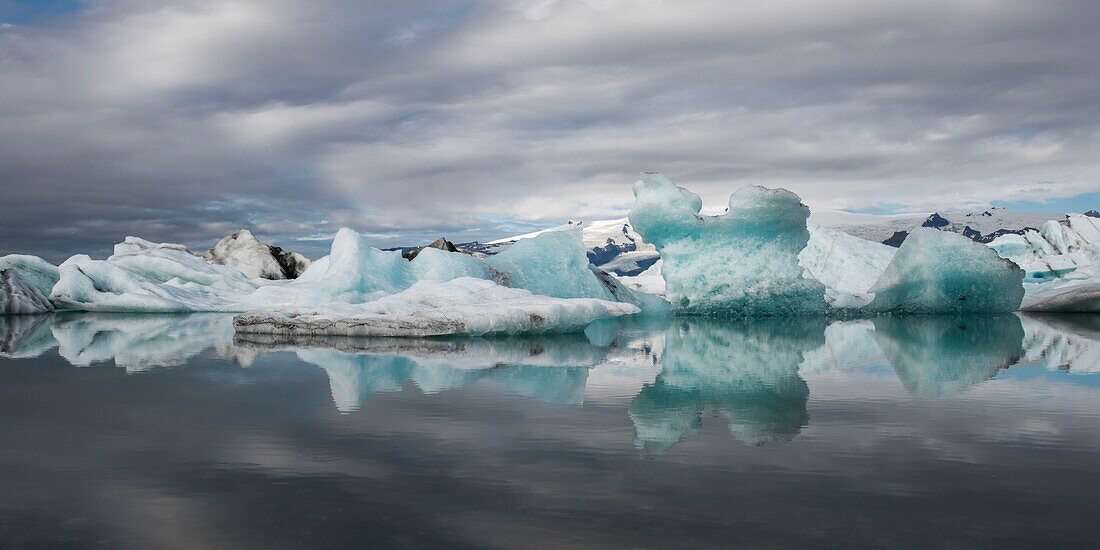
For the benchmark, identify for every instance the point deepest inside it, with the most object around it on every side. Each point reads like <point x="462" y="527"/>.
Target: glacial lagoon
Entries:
<point x="140" y="431"/>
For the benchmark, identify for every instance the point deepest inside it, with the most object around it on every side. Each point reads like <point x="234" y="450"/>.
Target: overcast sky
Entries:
<point x="183" y="121"/>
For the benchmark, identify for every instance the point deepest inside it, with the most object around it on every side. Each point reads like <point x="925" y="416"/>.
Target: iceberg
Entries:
<point x="941" y="272"/>
<point x="245" y="253"/>
<point x="1055" y="250"/>
<point x="1076" y="292"/>
<point x="32" y="271"/>
<point x="19" y="297"/>
<point x="744" y="262"/>
<point x="25" y="284"/>
<point x="551" y="264"/>
<point x="462" y="306"/>
<point x="433" y="264"/>
<point x="848" y="266"/>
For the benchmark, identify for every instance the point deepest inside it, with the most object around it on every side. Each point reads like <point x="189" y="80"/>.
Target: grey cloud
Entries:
<point x="182" y="121"/>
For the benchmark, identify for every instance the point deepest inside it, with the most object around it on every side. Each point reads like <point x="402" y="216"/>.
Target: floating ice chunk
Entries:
<point x="135" y="284"/>
<point x="244" y="252"/>
<point x="1056" y="250"/>
<point x="18" y="297"/>
<point x="648" y="303"/>
<point x="744" y="262"/>
<point x="848" y="266"/>
<point x="33" y="271"/>
<point x="937" y="356"/>
<point x="462" y="306"/>
<point x="164" y="262"/>
<point x="1077" y="292"/>
<point x="553" y="263"/>
<point x="433" y="264"/>
<point x="941" y="272"/>
<point x="354" y="272"/>
<point x="650" y="281"/>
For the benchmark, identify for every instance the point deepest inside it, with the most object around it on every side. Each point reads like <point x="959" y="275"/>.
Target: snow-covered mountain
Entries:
<point x="982" y="226"/>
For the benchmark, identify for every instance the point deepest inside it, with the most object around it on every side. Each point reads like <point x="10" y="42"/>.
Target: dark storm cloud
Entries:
<point x="183" y="121"/>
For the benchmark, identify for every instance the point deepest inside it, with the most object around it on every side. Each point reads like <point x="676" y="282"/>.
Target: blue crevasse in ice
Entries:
<point x="741" y="263"/>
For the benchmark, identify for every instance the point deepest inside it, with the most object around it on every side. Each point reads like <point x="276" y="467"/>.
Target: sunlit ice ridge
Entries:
<point x="760" y="258"/>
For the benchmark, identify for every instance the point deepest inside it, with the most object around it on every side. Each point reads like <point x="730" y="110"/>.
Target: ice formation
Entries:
<point x="611" y="245"/>
<point x="744" y="262"/>
<point x="1057" y="249"/>
<point x="940" y="272"/>
<point x="433" y="264"/>
<point x="552" y="264"/>
<point x="848" y="266"/>
<point x="33" y="271"/>
<point x="244" y="252"/>
<point x="18" y="297"/>
<point x="25" y="283"/>
<point x="462" y="306"/>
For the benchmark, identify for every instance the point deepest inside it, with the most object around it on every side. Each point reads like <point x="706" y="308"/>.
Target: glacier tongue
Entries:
<point x="744" y="262"/>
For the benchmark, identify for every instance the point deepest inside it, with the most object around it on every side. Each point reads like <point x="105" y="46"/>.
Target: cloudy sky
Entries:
<point x="186" y="120"/>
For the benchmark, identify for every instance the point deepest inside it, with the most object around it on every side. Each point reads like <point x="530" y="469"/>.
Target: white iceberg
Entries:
<point x="462" y="306"/>
<point x="25" y="283"/>
<point x="245" y="253"/>
<point x="744" y="262"/>
<point x="1058" y="248"/>
<point x="1076" y="292"/>
<point x="941" y="272"/>
<point x="848" y="266"/>
<point x="18" y="297"/>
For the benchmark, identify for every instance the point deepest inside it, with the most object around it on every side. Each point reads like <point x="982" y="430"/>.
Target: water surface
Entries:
<point x="138" y="431"/>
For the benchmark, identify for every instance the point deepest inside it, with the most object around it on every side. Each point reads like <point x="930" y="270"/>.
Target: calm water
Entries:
<point x="166" y="431"/>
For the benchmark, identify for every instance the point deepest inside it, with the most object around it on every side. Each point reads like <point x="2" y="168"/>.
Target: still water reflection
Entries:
<point x="896" y="431"/>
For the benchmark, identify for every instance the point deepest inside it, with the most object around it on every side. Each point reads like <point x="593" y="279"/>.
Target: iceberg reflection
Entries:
<point x="938" y="356"/>
<point x="674" y="371"/>
<point x="746" y="372"/>
<point x="553" y="369"/>
<point x="1067" y="341"/>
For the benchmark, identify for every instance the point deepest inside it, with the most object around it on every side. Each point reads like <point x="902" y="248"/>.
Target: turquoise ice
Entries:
<point x="741" y="263"/>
